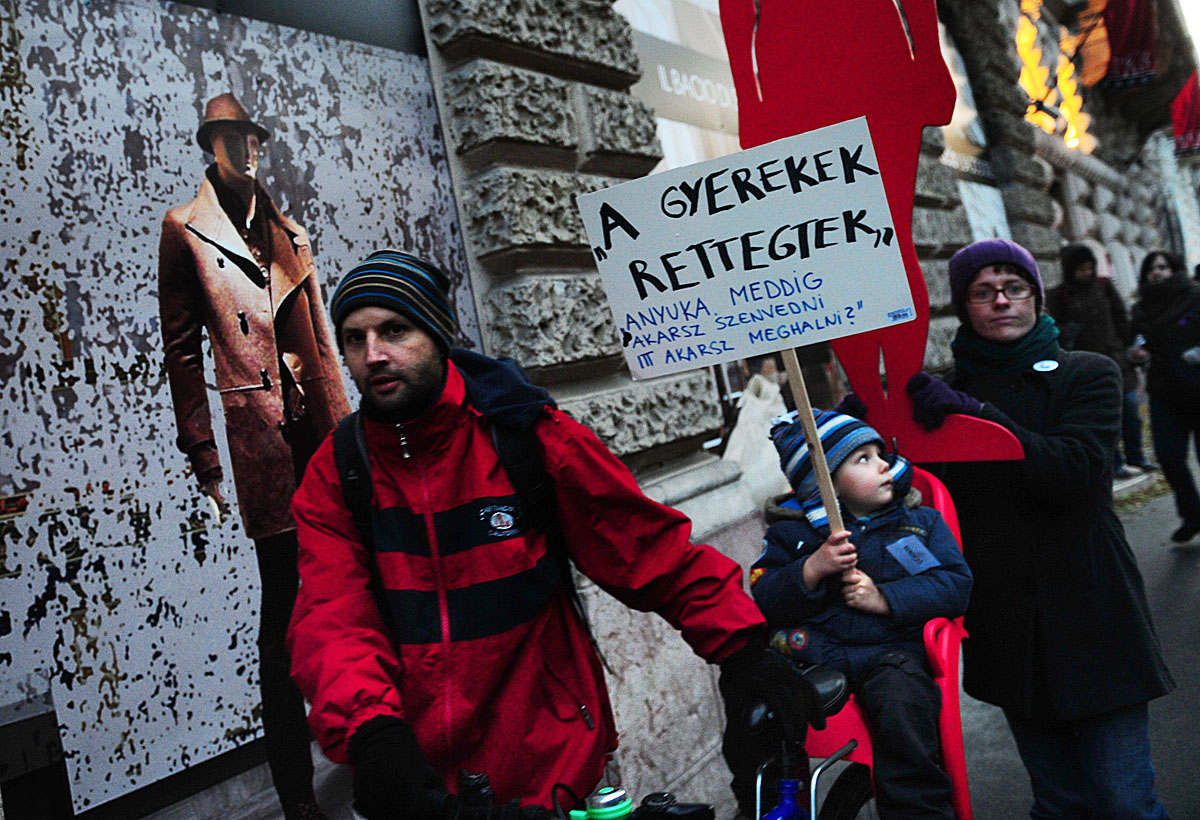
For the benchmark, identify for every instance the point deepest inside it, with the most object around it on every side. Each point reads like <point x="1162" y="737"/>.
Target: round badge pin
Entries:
<point x="1045" y="365"/>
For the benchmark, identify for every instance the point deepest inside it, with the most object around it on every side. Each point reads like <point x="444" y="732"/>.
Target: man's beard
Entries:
<point x="422" y="384"/>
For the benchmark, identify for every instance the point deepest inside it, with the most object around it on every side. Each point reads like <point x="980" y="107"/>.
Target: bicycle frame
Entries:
<point x="814" y="779"/>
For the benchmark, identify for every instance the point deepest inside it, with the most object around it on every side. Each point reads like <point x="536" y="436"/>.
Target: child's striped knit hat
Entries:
<point x="840" y="436"/>
<point x="404" y="283"/>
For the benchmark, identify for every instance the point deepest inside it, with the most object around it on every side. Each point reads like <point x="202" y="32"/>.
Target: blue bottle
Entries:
<point x="789" y="808"/>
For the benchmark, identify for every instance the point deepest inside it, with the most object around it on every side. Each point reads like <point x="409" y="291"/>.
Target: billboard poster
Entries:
<point x="179" y="190"/>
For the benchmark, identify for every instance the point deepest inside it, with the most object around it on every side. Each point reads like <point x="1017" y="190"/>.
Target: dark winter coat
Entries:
<point x="488" y="662"/>
<point x="1171" y="325"/>
<point x="1092" y="316"/>
<point x="835" y="634"/>
<point x="1059" y="625"/>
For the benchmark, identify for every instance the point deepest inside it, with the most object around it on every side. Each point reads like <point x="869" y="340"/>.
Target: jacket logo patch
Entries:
<point x="920" y="532"/>
<point x="501" y="520"/>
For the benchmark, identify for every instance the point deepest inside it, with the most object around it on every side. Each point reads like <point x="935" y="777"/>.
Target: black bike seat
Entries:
<point x="833" y="690"/>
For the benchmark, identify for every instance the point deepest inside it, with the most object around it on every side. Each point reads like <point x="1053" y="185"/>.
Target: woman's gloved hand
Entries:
<point x="933" y="400"/>
<point x="852" y="405"/>
<point x="392" y="778"/>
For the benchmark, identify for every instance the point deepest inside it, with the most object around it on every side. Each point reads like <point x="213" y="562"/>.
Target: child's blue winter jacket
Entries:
<point x="911" y="555"/>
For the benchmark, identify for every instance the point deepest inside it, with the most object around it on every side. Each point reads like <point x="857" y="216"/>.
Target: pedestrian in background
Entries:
<point x="1091" y="316"/>
<point x="1060" y="631"/>
<point x="1168" y="315"/>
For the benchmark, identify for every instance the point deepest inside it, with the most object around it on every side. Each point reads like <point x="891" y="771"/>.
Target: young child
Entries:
<point x="858" y="600"/>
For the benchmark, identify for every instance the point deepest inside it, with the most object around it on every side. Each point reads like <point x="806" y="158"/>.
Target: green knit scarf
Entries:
<point x="975" y="355"/>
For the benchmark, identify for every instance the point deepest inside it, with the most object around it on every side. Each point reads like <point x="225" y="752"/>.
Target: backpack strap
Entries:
<point x="520" y="453"/>
<point x="354" y="472"/>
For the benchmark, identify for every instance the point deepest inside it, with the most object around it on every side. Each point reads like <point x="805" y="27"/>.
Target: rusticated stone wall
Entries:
<point x="986" y="35"/>
<point x="534" y="98"/>
<point x="940" y="227"/>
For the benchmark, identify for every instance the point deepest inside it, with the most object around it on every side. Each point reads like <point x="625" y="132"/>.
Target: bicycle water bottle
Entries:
<point x="607" y="803"/>
<point x="788" y="808"/>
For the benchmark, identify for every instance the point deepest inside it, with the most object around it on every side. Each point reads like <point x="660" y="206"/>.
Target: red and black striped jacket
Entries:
<point x="481" y="651"/>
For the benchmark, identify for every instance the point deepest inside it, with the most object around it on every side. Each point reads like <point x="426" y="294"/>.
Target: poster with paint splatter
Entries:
<point x="121" y="597"/>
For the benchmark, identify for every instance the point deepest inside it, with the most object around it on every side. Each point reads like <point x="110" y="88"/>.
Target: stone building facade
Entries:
<point x="533" y="96"/>
<point x="535" y="105"/>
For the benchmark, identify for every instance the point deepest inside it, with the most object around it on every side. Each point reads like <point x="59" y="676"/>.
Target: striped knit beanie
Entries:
<point x="401" y="282"/>
<point x="840" y="436"/>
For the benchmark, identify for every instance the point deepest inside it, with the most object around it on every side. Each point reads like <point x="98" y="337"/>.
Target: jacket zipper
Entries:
<point x="584" y="711"/>
<point x="439" y="583"/>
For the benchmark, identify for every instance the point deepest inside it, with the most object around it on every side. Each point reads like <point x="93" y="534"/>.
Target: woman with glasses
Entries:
<point x="1060" y="632"/>
<point x="1168" y="315"/>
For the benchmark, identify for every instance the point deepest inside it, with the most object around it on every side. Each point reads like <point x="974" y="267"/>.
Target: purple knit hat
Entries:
<point x="978" y="255"/>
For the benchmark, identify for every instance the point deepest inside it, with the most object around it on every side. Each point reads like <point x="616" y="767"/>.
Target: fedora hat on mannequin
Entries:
<point x="225" y="108"/>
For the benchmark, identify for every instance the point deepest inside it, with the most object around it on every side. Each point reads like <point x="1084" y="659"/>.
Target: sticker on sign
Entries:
<point x="784" y="245"/>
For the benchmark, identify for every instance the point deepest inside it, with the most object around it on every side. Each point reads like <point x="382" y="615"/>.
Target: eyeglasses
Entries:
<point x="1013" y="292"/>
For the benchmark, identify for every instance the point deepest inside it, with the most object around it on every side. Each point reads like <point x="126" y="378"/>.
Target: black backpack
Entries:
<point x="519" y="454"/>
<point x="518" y="450"/>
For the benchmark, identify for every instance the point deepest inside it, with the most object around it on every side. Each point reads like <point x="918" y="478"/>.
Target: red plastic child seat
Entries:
<point x="942" y="639"/>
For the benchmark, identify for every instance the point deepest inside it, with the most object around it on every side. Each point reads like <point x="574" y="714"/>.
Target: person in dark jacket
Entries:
<point x="1091" y="316"/>
<point x="858" y="599"/>
<point x="448" y="641"/>
<point x="1168" y="316"/>
<point x="1060" y="631"/>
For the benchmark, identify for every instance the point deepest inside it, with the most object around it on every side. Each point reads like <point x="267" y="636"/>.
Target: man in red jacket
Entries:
<point x="450" y="643"/>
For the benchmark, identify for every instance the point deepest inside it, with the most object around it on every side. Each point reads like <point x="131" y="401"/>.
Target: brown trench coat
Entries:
<point x="208" y="277"/>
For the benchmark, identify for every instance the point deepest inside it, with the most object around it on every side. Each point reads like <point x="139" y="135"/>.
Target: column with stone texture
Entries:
<point x="533" y="98"/>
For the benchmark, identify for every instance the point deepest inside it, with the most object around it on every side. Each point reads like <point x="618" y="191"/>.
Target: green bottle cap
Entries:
<point x="609" y="803"/>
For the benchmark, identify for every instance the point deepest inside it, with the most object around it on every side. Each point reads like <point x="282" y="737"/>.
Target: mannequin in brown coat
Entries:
<point x="232" y="265"/>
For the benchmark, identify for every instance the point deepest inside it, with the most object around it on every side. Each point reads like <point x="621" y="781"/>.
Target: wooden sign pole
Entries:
<point x="815" y="451"/>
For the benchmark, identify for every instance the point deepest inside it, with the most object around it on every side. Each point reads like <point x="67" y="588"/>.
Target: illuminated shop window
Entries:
<point x="1056" y="105"/>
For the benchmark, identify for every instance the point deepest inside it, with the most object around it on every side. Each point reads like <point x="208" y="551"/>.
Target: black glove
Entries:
<point x="509" y="811"/>
<point x="852" y="405"/>
<point x="933" y="400"/>
<point x="392" y="778"/>
<point x="759" y="674"/>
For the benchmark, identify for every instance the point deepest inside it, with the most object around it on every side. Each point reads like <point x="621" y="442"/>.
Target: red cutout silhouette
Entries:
<point x="821" y="62"/>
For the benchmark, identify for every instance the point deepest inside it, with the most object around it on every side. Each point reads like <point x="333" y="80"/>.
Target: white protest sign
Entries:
<point x="783" y="245"/>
